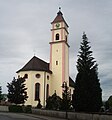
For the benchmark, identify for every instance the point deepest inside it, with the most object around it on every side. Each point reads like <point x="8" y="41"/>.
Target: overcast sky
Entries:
<point x="25" y="29"/>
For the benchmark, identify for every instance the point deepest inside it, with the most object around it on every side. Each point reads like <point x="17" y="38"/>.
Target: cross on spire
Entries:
<point x="59" y="8"/>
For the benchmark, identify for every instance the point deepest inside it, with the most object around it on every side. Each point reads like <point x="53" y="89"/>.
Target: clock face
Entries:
<point x="57" y="25"/>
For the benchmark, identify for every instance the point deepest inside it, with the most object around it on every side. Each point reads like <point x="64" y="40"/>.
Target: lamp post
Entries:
<point x="64" y="85"/>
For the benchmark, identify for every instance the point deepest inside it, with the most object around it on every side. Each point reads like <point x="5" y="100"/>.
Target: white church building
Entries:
<point x="44" y="79"/>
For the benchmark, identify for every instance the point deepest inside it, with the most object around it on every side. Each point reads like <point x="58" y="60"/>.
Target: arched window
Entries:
<point x="66" y="38"/>
<point x="47" y="77"/>
<point x="37" y="91"/>
<point x="47" y="91"/>
<point x="26" y="76"/>
<point x="57" y="36"/>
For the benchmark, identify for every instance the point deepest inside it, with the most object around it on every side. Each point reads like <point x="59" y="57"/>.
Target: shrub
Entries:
<point x="27" y="109"/>
<point x="15" y="108"/>
<point x="53" y="102"/>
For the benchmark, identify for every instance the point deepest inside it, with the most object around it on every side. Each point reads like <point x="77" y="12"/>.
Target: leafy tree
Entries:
<point x="17" y="91"/>
<point x="1" y="97"/>
<point x="109" y="103"/>
<point x="106" y="105"/>
<point x="88" y="94"/>
<point x="66" y="100"/>
<point x="53" y="102"/>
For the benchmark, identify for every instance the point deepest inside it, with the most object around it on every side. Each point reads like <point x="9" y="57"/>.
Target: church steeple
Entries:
<point x="59" y="28"/>
<point x="59" y="17"/>
<point x="59" y="53"/>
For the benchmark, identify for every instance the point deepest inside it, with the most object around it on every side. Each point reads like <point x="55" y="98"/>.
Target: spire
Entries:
<point x="59" y="17"/>
<point x="59" y="13"/>
<point x="59" y="8"/>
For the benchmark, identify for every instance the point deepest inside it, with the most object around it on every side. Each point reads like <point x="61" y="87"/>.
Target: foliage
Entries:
<point x="4" y="97"/>
<point x="110" y="101"/>
<point x="66" y="100"/>
<point x="53" y="102"/>
<point x="15" y="108"/>
<point x="17" y="91"/>
<point x="27" y="109"/>
<point x="20" y="109"/>
<point x="108" y="104"/>
<point x="1" y="97"/>
<point x="39" y="106"/>
<point x="88" y="94"/>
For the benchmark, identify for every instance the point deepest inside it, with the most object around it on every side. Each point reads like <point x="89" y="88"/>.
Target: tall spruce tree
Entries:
<point x="17" y="91"/>
<point x="87" y="96"/>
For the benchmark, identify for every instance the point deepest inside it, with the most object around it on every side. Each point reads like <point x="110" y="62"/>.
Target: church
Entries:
<point x="44" y="79"/>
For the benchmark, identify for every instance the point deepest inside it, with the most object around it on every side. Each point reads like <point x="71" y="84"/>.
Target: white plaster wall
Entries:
<point x="30" y="85"/>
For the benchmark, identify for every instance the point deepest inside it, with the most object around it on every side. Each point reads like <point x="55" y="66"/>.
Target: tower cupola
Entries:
<point x="59" y="18"/>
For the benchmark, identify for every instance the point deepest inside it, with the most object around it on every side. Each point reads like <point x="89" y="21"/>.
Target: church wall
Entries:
<point x="56" y="69"/>
<point x="30" y="85"/>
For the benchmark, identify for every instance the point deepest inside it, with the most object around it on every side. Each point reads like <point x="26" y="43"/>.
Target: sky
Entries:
<point x="25" y="30"/>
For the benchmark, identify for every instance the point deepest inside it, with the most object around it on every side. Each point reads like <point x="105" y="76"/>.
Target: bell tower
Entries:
<point x="59" y="54"/>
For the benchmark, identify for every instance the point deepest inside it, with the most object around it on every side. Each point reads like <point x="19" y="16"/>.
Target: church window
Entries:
<point x="47" y="77"/>
<point x="18" y="76"/>
<point x="37" y="75"/>
<point x="26" y="76"/>
<point x="56" y="62"/>
<point x="47" y="91"/>
<point x="57" y="36"/>
<point x="37" y="91"/>
<point x="66" y="38"/>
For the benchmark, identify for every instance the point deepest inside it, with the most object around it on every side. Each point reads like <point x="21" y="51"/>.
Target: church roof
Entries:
<point x="36" y="64"/>
<point x="71" y="82"/>
<point x="59" y="18"/>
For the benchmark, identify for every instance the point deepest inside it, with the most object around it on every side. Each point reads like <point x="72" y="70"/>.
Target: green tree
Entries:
<point x="1" y="97"/>
<point x="109" y="101"/>
<point x="17" y="91"/>
<point x="88" y="94"/>
<point x="66" y="99"/>
<point x="53" y="102"/>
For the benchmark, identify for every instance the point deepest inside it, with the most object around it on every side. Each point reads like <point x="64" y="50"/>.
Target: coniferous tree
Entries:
<point x="87" y="96"/>
<point x="17" y="91"/>
<point x="1" y="97"/>
<point x="109" y="101"/>
<point x="66" y="99"/>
